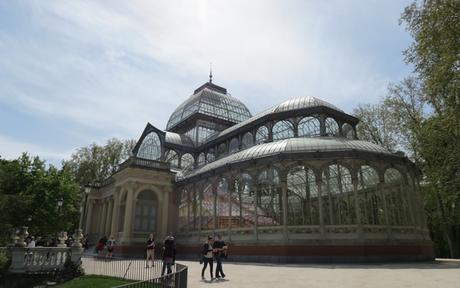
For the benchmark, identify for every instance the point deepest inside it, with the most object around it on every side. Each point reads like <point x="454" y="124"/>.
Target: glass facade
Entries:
<point x="211" y="103"/>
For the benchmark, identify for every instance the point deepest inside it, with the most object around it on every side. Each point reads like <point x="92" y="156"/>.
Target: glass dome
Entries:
<point x="211" y="100"/>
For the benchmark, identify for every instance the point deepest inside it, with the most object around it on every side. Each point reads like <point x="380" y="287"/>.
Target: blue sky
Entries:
<point x="77" y="72"/>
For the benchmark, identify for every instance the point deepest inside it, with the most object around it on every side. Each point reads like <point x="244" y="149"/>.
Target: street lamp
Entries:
<point x="60" y="202"/>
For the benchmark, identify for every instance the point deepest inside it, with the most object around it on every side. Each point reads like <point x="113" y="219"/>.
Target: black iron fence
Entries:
<point x="177" y="279"/>
<point x="144" y="274"/>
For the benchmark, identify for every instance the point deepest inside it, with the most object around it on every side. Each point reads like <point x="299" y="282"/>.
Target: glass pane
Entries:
<point x="150" y="147"/>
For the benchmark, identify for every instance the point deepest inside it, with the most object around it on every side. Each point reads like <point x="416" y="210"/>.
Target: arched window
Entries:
<point x="348" y="131"/>
<point x="269" y="198"/>
<point x="303" y="206"/>
<point x="146" y="212"/>
<point x="282" y="129"/>
<point x="247" y="140"/>
<point x="242" y="212"/>
<point x="201" y="159"/>
<point x="210" y="157"/>
<point x="309" y="126"/>
<point x="262" y="135"/>
<point x="187" y="162"/>
<point x="150" y="147"/>
<point x="396" y="198"/>
<point x="370" y="201"/>
<point x="222" y="150"/>
<point x="332" y="128"/>
<point x="233" y="147"/>
<point x="172" y="158"/>
<point x="338" y="203"/>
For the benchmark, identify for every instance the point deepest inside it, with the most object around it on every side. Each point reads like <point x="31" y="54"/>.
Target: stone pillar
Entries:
<point x="103" y="218"/>
<point x="89" y="215"/>
<point x="164" y="200"/>
<point x="108" y="220"/>
<point x="128" y="219"/>
<point x="115" y="211"/>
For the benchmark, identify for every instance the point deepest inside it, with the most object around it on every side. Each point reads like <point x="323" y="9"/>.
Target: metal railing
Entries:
<point x="177" y="279"/>
<point x="134" y="269"/>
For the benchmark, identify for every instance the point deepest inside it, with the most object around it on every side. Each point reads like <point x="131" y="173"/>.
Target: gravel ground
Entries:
<point x="442" y="273"/>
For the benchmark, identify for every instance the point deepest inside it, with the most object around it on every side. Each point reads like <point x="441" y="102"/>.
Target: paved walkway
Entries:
<point x="443" y="274"/>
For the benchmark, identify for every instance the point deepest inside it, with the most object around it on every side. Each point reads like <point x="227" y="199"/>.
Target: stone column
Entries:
<point x="128" y="219"/>
<point x="115" y="211"/>
<point x="163" y="200"/>
<point x="89" y="215"/>
<point x="108" y="220"/>
<point x="103" y="218"/>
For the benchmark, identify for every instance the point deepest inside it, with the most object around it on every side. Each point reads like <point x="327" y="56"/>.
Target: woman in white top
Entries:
<point x="207" y="257"/>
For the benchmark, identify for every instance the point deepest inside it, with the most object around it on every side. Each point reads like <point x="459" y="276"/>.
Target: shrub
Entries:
<point x="5" y="262"/>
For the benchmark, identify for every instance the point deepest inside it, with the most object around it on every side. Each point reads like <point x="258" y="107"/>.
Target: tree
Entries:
<point x="435" y="54"/>
<point x="96" y="163"/>
<point x="29" y="192"/>
<point x="376" y="125"/>
<point x="407" y="107"/>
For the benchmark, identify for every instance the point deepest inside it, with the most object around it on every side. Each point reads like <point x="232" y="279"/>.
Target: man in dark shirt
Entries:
<point x="219" y="253"/>
<point x="150" y="251"/>
<point x="169" y="254"/>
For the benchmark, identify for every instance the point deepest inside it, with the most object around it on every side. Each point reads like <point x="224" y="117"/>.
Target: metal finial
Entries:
<point x="210" y="72"/>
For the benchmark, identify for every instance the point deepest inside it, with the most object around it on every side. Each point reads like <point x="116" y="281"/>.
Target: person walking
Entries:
<point x="169" y="254"/>
<point x="150" y="251"/>
<point x="110" y="247"/>
<point x="207" y="257"/>
<point x="219" y="253"/>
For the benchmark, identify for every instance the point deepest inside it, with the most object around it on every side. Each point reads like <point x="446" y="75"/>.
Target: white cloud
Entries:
<point x="12" y="149"/>
<point x="112" y="67"/>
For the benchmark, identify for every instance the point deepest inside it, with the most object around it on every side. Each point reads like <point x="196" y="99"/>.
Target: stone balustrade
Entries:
<point x="42" y="259"/>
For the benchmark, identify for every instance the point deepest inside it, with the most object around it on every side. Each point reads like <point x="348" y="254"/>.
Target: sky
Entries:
<point x="77" y="72"/>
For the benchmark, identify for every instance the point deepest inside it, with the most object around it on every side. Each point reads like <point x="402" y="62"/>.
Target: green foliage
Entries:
<point x="435" y="28"/>
<point x="96" y="163"/>
<point x="5" y="262"/>
<point x="435" y="53"/>
<point x="29" y="192"/>
<point x="375" y="125"/>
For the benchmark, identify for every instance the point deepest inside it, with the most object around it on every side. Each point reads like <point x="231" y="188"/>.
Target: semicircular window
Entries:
<point x="233" y="147"/>
<point x="261" y="135"/>
<point x="348" y="131"/>
<point x="187" y="162"/>
<point x="172" y="158"/>
<point x="332" y="128"/>
<point x="247" y="140"/>
<point x="282" y="129"/>
<point x="309" y="126"/>
<point x="201" y="159"/>
<point x="150" y="147"/>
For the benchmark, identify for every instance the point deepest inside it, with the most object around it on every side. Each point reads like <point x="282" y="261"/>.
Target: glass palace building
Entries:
<point x="290" y="184"/>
